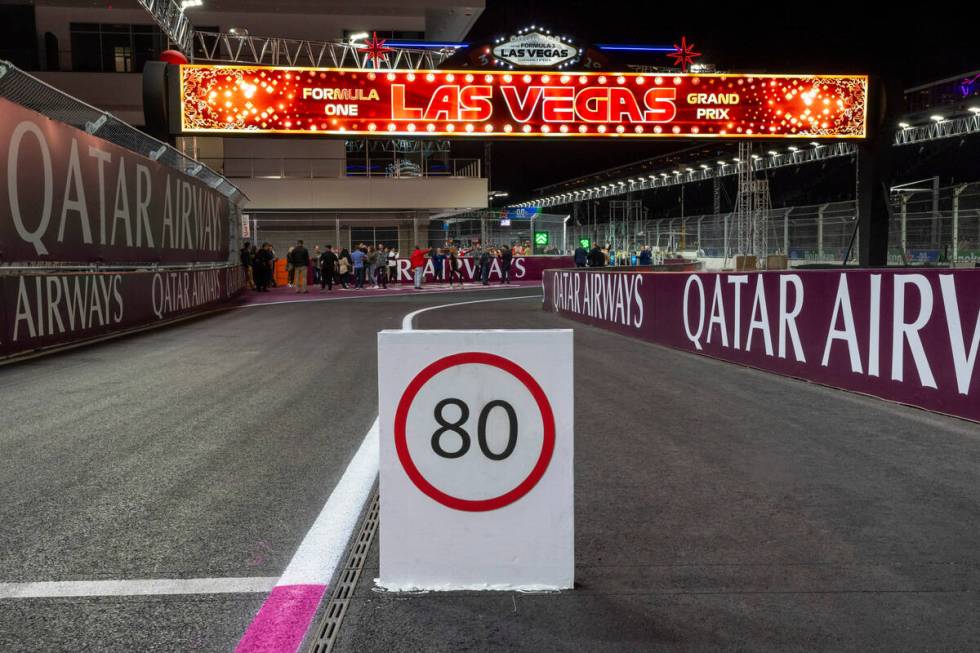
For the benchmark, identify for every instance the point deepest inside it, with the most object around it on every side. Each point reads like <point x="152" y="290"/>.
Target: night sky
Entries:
<point x="916" y="45"/>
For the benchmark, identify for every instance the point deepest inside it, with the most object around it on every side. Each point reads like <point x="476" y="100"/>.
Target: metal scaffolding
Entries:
<point x="752" y="207"/>
<point x="215" y="47"/>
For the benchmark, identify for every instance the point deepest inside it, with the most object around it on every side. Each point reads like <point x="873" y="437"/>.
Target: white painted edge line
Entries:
<point x="408" y="320"/>
<point x="424" y="293"/>
<point x="321" y="550"/>
<point x="315" y="559"/>
<point x="139" y="587"/>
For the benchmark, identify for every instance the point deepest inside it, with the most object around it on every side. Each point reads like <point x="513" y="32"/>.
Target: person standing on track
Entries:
<point x="358" y="257"/>
<point x="344" y="265"/>
<point x="485" y="261"/>
<point x="380" y="263"/>
<point x="438" y="261"/>
<point x="646" y="256"/>
<point x="328" y="267"/>
<point x="315" y="263"/>
<point x="289" y="267"/>
<point x="506" y="255"/>
<point x="417" y="259"/>
<point x="301" y="262"/>
<point x="262" y="267"/>
<point x="245" y="258"/>
<point x="596" y="258"/>
<point x="453" y="263"/>
<point x="392" y="256"/>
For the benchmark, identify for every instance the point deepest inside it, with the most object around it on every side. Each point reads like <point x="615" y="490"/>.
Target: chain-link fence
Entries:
<point x="927" y="225"/>
<point x="544" y="232"/>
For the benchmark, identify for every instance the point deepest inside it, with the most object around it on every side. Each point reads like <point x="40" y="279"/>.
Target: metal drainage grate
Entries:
<point x="326" y="633"/>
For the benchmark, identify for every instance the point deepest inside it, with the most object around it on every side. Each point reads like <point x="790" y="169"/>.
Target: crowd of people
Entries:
<point x="598" y="257"/>
<point x="371" y="265"/>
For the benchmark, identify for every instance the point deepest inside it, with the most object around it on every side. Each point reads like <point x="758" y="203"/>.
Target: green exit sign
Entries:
<point x="540" y="237"/>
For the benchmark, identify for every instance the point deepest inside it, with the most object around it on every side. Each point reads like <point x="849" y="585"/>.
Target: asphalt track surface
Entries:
<point x="722" y="508"/>
<point x="717" y="507"/>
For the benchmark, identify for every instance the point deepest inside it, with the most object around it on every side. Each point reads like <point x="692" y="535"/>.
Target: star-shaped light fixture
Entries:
<point x="376" y="49"/>
<point x="683" y="54"/>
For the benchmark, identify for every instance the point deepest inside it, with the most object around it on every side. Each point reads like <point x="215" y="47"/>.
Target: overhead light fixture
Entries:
<point x="793" y="148"/>
<point x="773" y="153"/>
<point x="190" y="4"/>
<point x="723" y="163"/>
<point x="974" y="109"/>
<point x="358" y="36"/>
<point x="936" y="117"/>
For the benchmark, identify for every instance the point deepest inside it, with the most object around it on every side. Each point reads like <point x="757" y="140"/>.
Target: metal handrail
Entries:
<point x="327" y="167"/>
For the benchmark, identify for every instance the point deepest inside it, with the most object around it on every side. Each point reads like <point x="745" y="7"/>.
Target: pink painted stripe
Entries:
<point x="282" y="621"/>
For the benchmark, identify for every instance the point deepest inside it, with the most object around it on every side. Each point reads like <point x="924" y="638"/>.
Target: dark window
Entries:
<point x="114" y="47"/>
<point x="18" y="42"/>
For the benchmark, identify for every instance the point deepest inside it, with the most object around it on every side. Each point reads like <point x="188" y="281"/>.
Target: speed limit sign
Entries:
<point x="476" y="459"/>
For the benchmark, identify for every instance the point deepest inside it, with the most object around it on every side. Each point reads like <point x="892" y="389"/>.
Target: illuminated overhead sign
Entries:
<point x="251" y="99"/>
<point x="535" y="50"/>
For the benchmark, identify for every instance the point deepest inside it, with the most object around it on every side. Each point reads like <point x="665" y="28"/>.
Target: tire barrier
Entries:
<point x="43" y="310"/>
<point x="906" y="335"/>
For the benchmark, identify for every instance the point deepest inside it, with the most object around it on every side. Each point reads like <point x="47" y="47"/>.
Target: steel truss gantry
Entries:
<point x="172" y="21"/>
<point x="936" y="130"/>
<point x="705" y="171"/>
<point x="215" y="47"/>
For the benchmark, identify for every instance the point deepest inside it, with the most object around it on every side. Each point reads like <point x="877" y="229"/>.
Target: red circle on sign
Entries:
<point x="474" y="358"/>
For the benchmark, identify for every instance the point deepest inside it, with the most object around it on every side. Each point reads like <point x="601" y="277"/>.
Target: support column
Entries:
<point x="956" y="221"/>
<point x="874" y="168"/>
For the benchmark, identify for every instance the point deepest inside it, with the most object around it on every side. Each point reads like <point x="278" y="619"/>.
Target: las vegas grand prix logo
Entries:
<point x="474" y="431"/>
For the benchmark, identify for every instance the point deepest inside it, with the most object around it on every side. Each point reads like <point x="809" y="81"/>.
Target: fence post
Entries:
<point x="956" y="221"/>
<point x="903" y="224"/>
<point x="725" y="241"/>
<point x="820" y="211"/>
<point x="786" y="232"/>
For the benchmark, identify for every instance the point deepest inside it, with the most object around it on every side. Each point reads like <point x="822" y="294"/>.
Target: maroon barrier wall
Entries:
<point x="68" y="196"/>
<point x="39" y="310"/>
<point x="908" y="335"/>
<point x="522" y="268"/>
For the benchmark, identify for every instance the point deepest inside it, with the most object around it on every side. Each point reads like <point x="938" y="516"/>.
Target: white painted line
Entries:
<point x="422" y="293"/>
<point x="408" y="319"/>
<point x="141" y="587"/>
<point x="321" y="550"/>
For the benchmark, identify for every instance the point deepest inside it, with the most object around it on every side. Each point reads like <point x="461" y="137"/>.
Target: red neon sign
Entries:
<point x="249" y="99"/>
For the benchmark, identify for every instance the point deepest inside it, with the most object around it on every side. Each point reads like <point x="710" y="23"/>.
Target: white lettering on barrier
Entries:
<point x="903" y="331"/>
<point x="191" y="216"/>
<point x="66" y="304"/>
<point x="13" y="186"/>
<point x="598" y="295"/>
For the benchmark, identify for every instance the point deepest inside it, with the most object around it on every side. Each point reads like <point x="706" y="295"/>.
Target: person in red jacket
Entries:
<point x="417" y="260"/>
